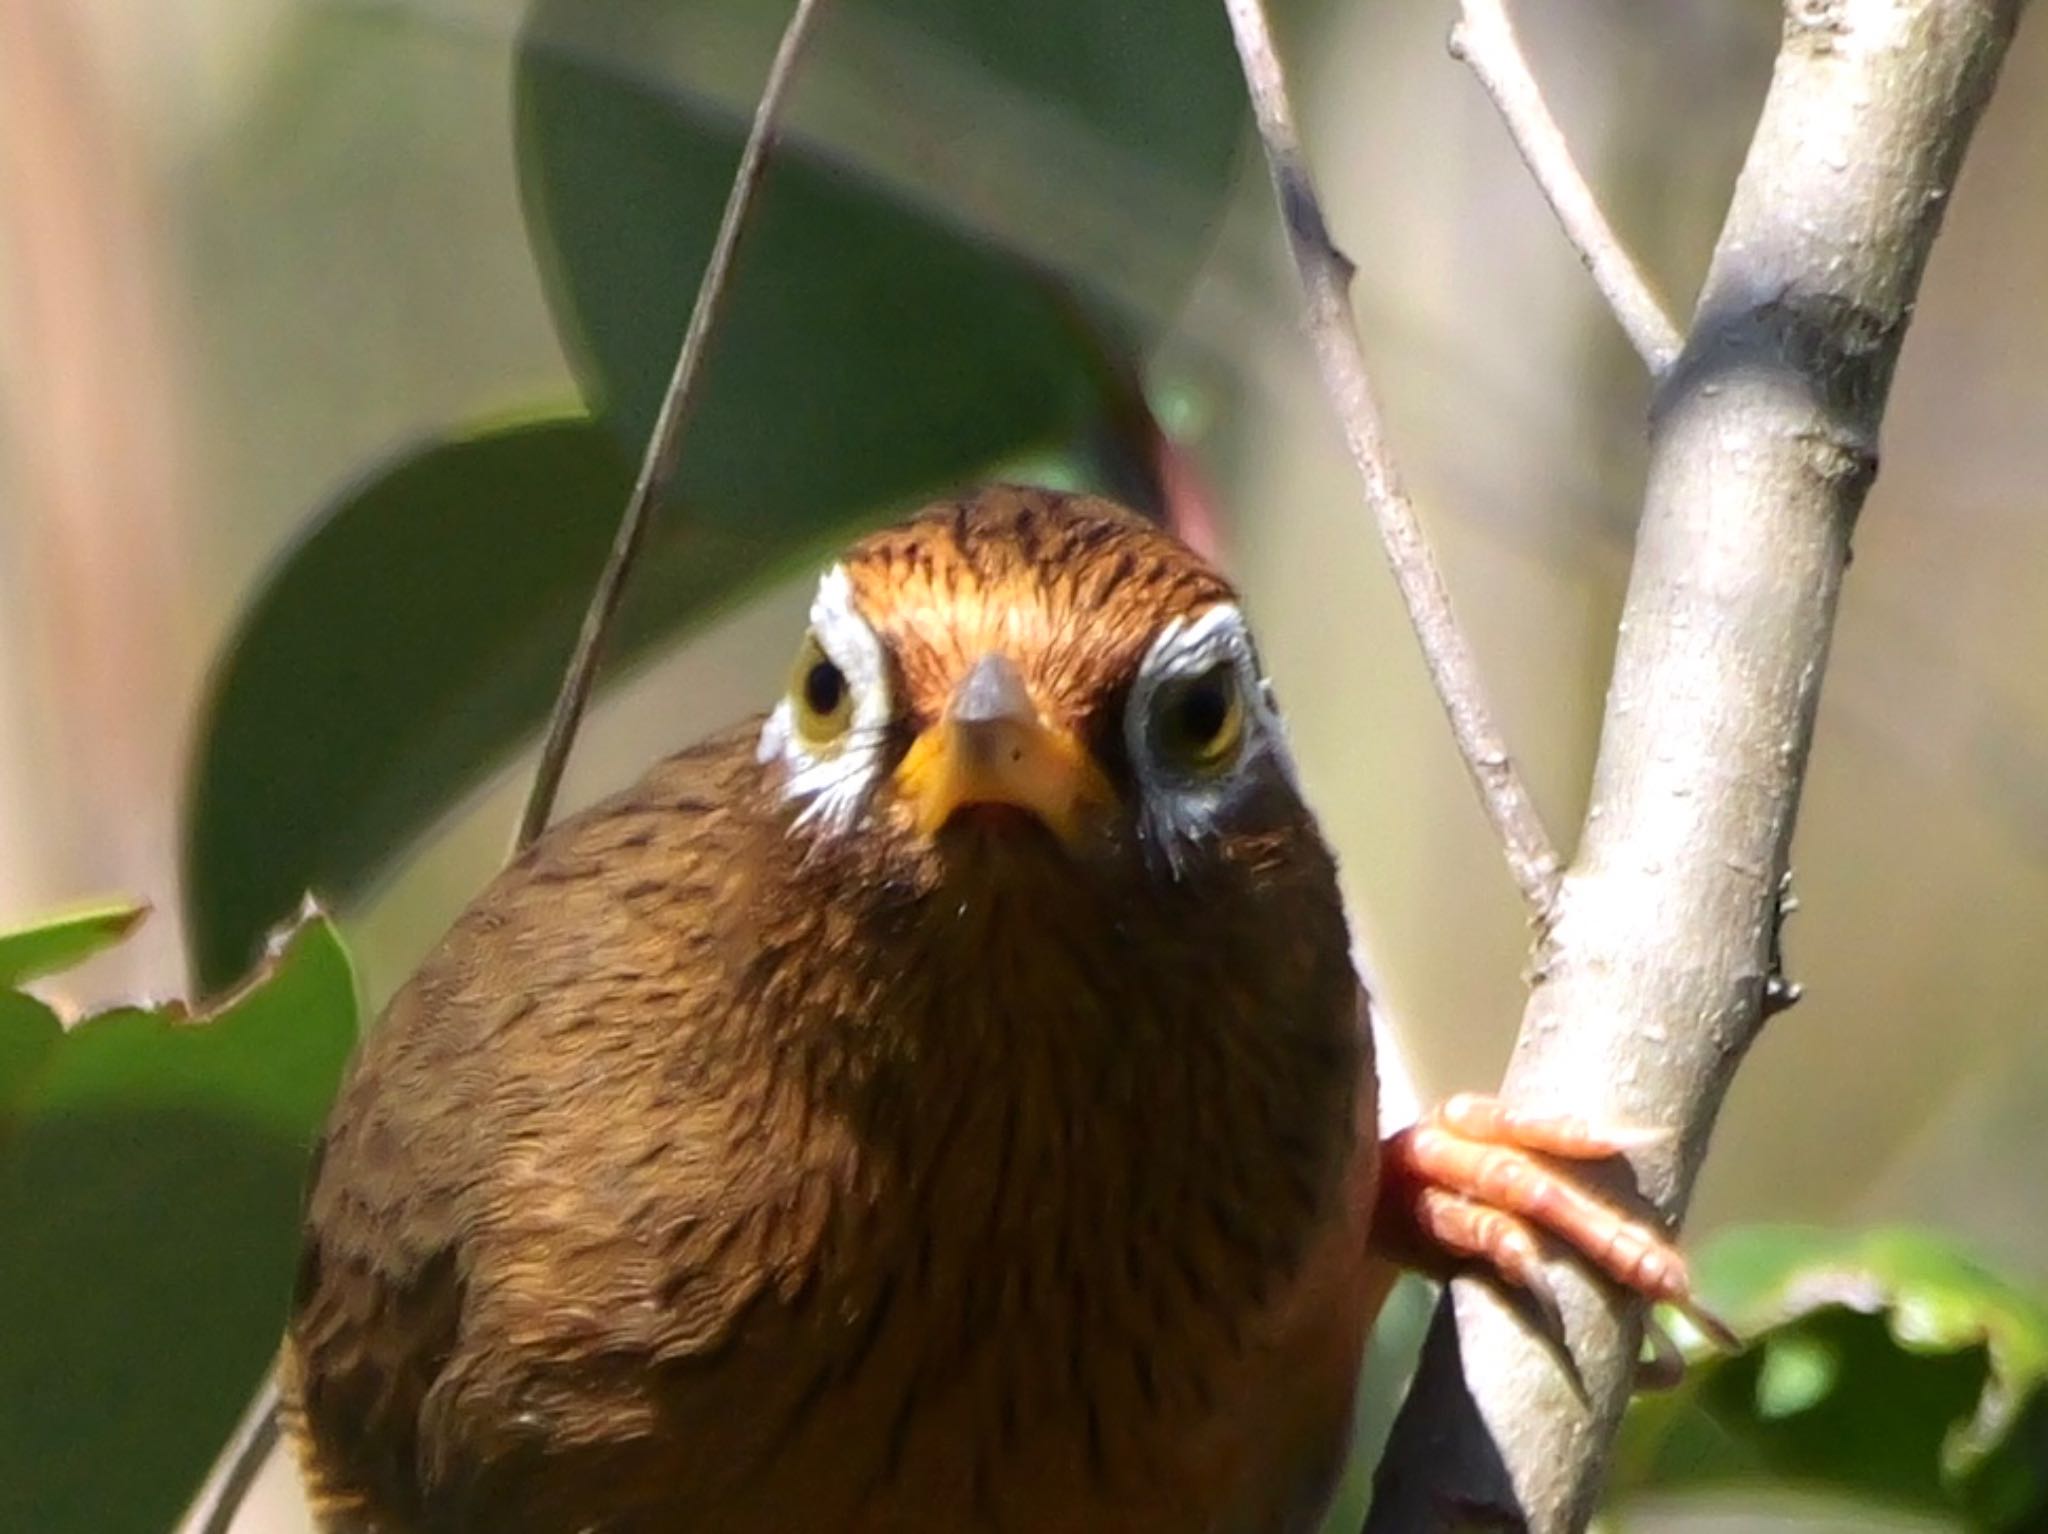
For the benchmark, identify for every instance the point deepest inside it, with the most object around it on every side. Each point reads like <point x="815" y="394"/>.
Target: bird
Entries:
<point x="945" y="1102"/>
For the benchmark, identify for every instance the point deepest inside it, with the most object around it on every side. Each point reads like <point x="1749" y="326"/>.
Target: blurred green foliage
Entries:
<point x="65" y="939"/>
<point x="1882" y="1366"/>
<point x="151" y="1161"/>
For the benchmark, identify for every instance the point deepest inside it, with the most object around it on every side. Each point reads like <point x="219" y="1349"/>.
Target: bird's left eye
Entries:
<point x="1198" y="721"/>
<point x="820" y="698"/>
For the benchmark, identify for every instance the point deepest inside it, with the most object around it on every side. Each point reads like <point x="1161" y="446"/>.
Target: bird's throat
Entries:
<point x="1063" y="1129"/>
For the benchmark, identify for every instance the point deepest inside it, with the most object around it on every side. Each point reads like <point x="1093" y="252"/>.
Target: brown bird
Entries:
<point x="942" y="1105"/>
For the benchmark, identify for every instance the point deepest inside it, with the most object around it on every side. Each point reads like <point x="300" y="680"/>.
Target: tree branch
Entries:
<point x="1763" y="446"/>
<point x="1485" y="39"/>
<point x="664" y="446"/>
<point x="1326" y="279"/>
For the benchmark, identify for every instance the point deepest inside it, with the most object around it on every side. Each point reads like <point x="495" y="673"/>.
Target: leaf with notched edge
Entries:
<point x="151" y="1165"/>
<point x="1885" y="1366"/>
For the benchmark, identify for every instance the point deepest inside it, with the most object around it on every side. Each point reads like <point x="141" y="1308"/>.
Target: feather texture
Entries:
<point x="723" y="1173"/>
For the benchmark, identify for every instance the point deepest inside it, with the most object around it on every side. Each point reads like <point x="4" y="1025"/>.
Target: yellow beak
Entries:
<point x="993" y="748"/>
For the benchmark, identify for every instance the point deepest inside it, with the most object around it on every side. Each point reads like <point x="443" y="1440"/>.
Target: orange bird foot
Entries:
<point x="1467" y="1185"/>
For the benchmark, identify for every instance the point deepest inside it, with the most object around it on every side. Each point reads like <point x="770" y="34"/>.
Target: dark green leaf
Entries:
<point x="897" y="317"/>
<point x="1883" y="1366"/>
<point x="412" y="638"/>
<point x="150" y="1174"/>
<point x="386" y="659"/>
<point x="59" y="942"/>
<point x="29" y="1032"/>
<point x="867" y="354"/>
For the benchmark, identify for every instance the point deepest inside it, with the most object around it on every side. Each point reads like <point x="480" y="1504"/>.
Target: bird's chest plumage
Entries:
<point x="942" y="1211"/>
<point x="1065" y="1244"/>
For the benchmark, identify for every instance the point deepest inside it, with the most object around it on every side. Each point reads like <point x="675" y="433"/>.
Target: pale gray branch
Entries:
<point x="1484" y="38"/>
<point x="1326" y="282"/>
<point x="664" y="445"/>
<point x="1763" y="445"/>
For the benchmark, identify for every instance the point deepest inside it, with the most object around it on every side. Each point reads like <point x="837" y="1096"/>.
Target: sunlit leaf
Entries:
<point x="1885" y="1366"/>
<point x="58" y="942"/>
<point x="150" y="1173"/>
<point x="412" y="638"/>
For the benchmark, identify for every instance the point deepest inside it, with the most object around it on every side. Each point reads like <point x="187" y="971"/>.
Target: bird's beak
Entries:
<point x="993" y="748"/>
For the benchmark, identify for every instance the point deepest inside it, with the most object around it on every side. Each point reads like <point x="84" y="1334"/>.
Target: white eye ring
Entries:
<point x="1179" y="807"/>
<point x="832" y="778"/>
<point x="1188" y="648"/>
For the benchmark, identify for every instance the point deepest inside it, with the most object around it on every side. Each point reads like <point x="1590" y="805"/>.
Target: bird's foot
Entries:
<point x="1468" y="1184"/>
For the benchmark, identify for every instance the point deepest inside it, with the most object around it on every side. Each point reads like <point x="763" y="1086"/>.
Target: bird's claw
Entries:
<point x="1468" y="1184"/>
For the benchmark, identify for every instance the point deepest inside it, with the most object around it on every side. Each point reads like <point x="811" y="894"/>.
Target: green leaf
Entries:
<point x="385" y="660"/>
<point x="1884" y="1366"/>
<point x="412" y="638"/>
<point x="59" y="942"/>
<point x="150" y="1173"/>
<point x="899" y="317"/>
<point x="1798" y="1372"/>
<point x="866" y="355"/>
<point x="29" y="1032"/>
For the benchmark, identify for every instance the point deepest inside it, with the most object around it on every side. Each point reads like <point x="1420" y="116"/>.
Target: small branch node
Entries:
<point x="1781" y="993"/>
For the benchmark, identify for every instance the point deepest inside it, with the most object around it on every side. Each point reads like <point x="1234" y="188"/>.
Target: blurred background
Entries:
<point x="251" y="249"/>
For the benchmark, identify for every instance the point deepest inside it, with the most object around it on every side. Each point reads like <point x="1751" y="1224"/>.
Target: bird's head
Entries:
<point x="1026" y="674"/>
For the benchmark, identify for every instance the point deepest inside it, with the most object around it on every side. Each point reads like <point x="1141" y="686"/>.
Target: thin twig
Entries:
<point x="1326" y="280"/>
<point x="213" y="1510"/>
<point x="1485" y="39"/>
<point x="657" y="469"/>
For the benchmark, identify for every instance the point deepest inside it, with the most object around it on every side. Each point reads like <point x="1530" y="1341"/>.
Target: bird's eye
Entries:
<point x="1198" y="721"/>
<point x="820" y="698"/>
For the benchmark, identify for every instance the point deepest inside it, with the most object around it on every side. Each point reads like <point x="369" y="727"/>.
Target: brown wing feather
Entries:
<point x="567" y="980"/>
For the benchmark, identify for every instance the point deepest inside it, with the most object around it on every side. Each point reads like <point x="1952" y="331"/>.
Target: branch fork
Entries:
<point x="1660" y="956"/>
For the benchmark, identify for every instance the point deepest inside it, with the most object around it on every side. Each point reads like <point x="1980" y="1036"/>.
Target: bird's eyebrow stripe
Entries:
<point x="1187" y="643"/>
